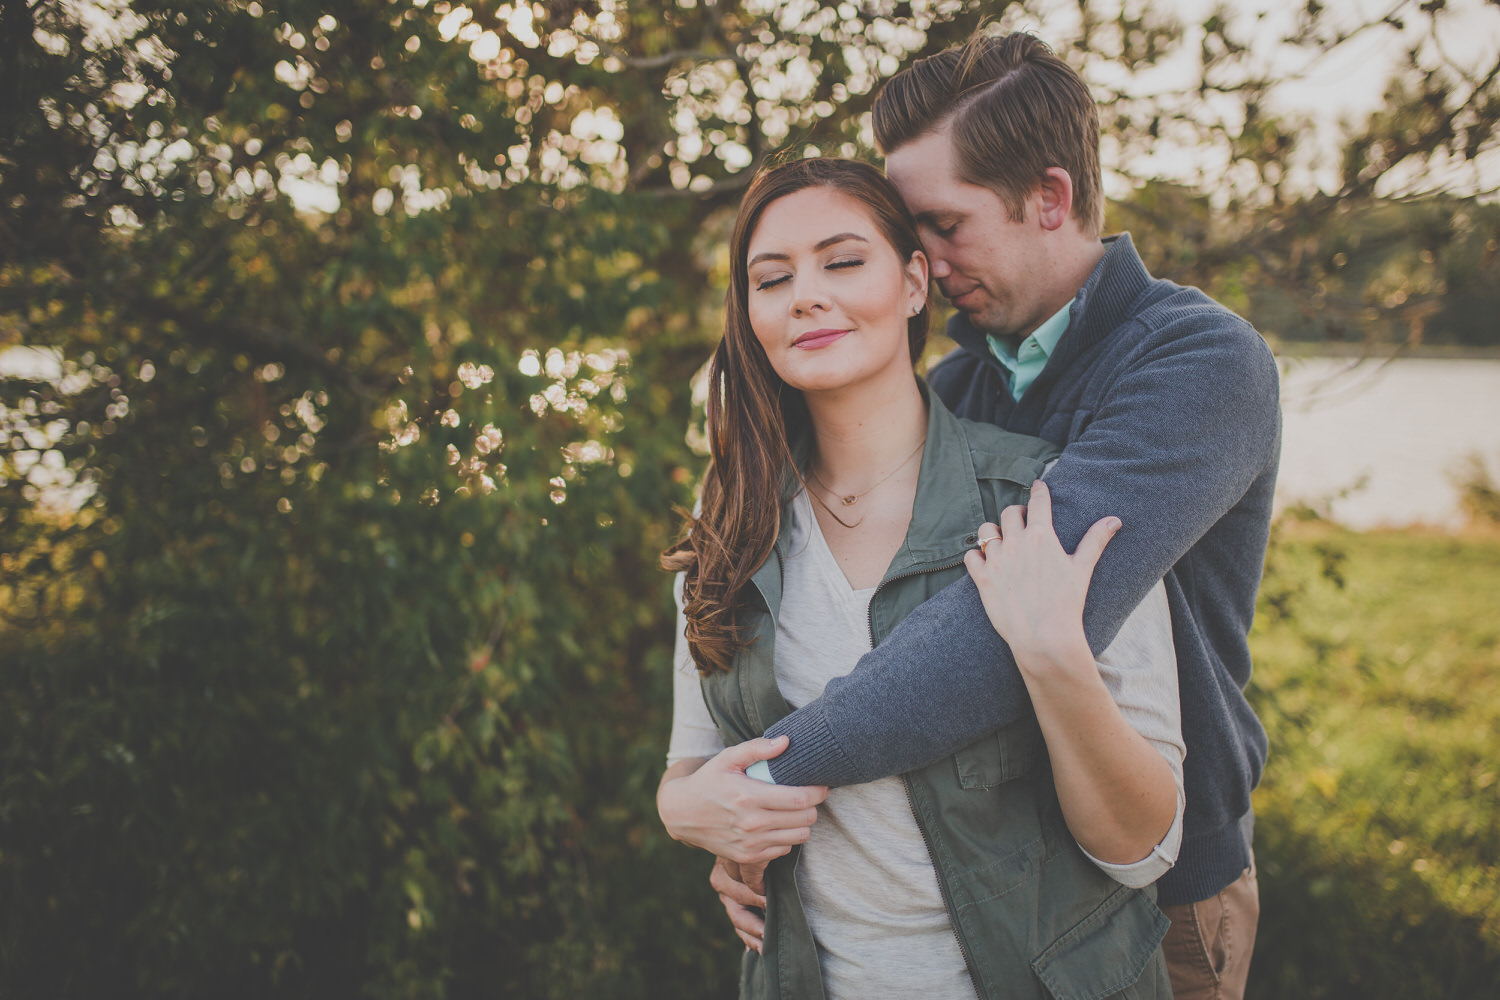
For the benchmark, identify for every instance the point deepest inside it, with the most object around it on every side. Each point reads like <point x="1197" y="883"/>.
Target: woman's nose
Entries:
<point x="807" y="296"/>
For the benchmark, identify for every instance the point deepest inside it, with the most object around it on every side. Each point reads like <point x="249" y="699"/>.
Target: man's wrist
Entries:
<point x="760" y="771"/>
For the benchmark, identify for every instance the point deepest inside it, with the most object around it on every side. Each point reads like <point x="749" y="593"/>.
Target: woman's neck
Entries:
<point x="862" y="435"/>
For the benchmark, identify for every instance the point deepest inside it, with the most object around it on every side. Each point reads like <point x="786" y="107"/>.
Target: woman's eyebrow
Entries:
<point x="821" y="245"/>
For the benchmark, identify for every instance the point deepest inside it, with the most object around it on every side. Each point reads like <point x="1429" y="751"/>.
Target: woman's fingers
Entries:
<point x="974" y="562"/>
<point x="718" y="808"/>
<point x="1012" y="522"/>
<point x="758" y="846"/>
<point x="1039" y="510"/>
<point x="762" y="821"/>
<point x="742" y="755"/>
<point x="1091" y="547"/>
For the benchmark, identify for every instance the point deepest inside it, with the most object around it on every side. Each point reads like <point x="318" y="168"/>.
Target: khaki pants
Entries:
<point x="1209" y="944"/>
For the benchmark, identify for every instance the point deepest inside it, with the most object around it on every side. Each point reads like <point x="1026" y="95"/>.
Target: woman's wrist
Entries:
<point x="667" y="800"/>
<point x="1055" y="655"/>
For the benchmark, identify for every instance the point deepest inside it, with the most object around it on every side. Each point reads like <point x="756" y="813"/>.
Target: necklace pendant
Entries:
<point x="848" y="501"/>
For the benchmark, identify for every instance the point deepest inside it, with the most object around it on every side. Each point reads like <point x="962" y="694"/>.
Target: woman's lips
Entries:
<point x="818" y="338"/>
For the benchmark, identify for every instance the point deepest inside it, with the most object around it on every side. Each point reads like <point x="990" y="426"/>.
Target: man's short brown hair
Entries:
<point x="1015" y="109"/>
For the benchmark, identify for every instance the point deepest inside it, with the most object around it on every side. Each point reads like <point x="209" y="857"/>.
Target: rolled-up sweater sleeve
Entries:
<point x="1140" y="671"/>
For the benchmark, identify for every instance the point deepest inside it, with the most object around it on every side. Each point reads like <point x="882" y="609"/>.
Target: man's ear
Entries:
<point x="1054" y="198"/>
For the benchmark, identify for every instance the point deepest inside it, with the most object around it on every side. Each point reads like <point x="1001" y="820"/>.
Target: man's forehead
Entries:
<point x="931" y="194"/>
<point x="924" y="172"/>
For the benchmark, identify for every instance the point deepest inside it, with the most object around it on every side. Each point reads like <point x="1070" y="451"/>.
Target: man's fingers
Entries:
<point x="727" y="880"/>
<point x="754" y="878"/>
<point x="754" y="944"/>
<point x="741" y="903"/>
<point x="749" y="925"/>
<point x="1091" y="547"/>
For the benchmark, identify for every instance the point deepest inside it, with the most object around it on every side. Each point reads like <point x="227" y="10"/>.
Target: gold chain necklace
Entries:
<point x="850" y="499"/>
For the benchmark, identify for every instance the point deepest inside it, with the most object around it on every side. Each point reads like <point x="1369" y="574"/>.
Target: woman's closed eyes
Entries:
<point x="837" y="265"/>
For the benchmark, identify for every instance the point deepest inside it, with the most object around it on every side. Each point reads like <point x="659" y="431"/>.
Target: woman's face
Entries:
<point x="829" y="297"/>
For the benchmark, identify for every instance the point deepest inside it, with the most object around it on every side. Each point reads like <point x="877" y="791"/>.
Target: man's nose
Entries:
<point x="940" y="268"/>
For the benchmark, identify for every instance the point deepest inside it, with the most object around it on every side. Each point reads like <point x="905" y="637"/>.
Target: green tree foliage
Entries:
<point x="334" y="654"/>
<point x="1478" y="493"/>
<point x="1376" y="824"/>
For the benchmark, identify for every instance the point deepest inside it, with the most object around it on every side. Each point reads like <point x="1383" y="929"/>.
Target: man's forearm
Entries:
<point x="1186" y="434"/>
<point x="942" y="679"/>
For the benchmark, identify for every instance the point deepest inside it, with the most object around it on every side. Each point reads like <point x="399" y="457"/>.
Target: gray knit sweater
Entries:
<point x="1167" y="405"/>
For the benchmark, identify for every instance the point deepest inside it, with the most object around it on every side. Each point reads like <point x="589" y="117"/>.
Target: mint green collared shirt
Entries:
<point x="1031" y="357"/>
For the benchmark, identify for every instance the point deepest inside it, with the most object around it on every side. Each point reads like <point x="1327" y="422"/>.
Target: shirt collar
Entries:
<point x="1037" y="346"/>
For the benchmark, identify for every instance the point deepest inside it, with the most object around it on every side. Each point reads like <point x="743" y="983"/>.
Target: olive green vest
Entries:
<point x="1033" y="916"/>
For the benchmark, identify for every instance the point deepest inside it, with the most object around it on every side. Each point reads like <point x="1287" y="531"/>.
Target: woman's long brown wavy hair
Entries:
<point x="753" y="418"/>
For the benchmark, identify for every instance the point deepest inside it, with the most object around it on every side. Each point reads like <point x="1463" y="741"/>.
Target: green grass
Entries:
<point x="1378" y="831"/>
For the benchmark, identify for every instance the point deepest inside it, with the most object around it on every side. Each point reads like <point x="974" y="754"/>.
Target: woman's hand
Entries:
<point x="1117" y="793"/>
<point x="1032" y="589"/>
<point x="712" y="804"/>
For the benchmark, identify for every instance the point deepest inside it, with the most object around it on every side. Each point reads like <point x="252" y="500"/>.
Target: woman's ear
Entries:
<point x="916" y="274"/>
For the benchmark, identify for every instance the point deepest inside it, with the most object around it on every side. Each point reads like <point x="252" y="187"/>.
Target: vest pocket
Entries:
<point x="1105" y="953"/>
<point x="1014" y="752"/>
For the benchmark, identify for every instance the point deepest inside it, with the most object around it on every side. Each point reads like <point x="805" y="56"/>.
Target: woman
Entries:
<point x="840" y="496"/>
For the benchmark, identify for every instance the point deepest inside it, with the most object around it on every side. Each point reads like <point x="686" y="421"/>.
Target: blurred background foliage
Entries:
<point x="1378" y="820"/>
<point x="348" y="353"/>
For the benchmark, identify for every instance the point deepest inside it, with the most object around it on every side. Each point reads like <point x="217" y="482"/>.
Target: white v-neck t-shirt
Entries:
<point x="865" y="877"/>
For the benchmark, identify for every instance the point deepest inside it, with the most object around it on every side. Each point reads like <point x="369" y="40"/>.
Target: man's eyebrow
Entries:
<point x="821" y="245"/>
<point x="934" y="218"/>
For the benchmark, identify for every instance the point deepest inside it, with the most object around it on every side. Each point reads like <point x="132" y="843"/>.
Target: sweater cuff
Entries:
<point x="814" y="756"/>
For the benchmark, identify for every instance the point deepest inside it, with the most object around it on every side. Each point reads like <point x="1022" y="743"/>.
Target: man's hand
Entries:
<point x="744" y="904"/>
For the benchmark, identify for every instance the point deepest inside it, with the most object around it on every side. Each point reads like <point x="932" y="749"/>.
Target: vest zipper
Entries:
<point x="869" y="609"/>
<point x="963" y="948"/>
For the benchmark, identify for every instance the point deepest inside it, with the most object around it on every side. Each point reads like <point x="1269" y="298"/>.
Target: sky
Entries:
<point x="1344" y="85"/>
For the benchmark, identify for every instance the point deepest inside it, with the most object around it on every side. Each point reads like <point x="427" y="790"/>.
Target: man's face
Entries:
<point x="992" y="269"/>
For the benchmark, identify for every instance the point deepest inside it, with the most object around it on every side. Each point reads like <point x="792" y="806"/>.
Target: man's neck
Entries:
<point x="1072" y="269"/>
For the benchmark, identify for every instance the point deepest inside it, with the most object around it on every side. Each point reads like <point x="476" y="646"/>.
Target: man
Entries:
<point x="1167" y="407"/>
